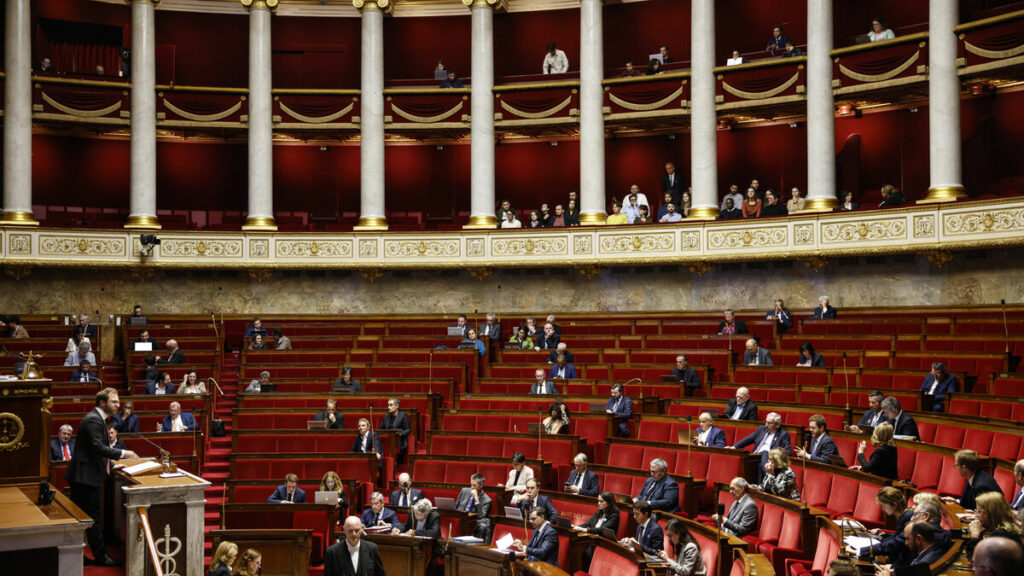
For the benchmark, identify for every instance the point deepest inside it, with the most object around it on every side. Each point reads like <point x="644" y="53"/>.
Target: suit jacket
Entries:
<point x="281" y="495"/>
<point x="543" y="545"/>
<point x="894" y="545"/>
<point x="88" y="466"/>
<point x="78" y="374"/>
<point x="151" y="388"/>
<point x="624" y="411"/>
<point x="611" y="523"/>
<point x="483" y="508"/>
<point x="187" y="420"/>
<point x="399" y="422"/>
<point x="653" y="539"/>
<point x="675" y="187"/>
<point x="494" y="332"/>
<point x="688" y="376"/>
<point x="828" y="312"/>
<point x="904" y="425"/>
<point x="662" y="494"/>
<point x="821" y="450"/>
<point x="415" y="495"/>
<point x="740" y="325"/>
<point x="549" y="388"/>
<point x="981" y="483"/>
<point x="357" y="443"/>
<point x="947" y="386"/>
<point x="338" y="562"/>
<point x="869" y="417"/>
<point x="1018" y="500"/>
<point x="118" y="444"/>
<point x="387" y="515"/>
<point x="818" y="361"/>
<point x="742" y="517"/>
<point x="920" y="565"/>
<point x="123" y="425"/>
<point x="541" y="501"/>
<point x="749" y="410"/>
<point x="570" y="372"/>
<point x="431" y="529"/>
<point x="716" y="437"/>
<point x="591" y="484"/>
<point x="764" y="357"/>
<point x="89" y="331"/>
<point x="544" y="342"/>
<point x="322" y="417"/>
<point x="883" y="462"/>
<point x="570" y="358"/>
<point x="176" y="357"/>
<point x="57" y="453"/>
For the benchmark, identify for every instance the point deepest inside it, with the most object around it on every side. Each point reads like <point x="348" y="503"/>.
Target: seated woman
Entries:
<point x="993" y="517"/>
<point x="520" y="340"/>
<point x="751" y="204"/>
<point x="557" y="421"/>
<point x="848" y="204"/>
<point x="686" y="558"/>
<point x="606" y="516"/>
<point x="518" y="476"/>
<point x="223" y="559"/>
<point x="685" y="204"/>
<point x="535" y="220"/>
<point x="474" y="342"/>
<point x="617" y="217"/>
<point x="779" y="479"/>
<point x="257" y="343"/>
<point x="883" y="459"/>
<point x="331" y="482"/>
<point x="893" y="545"/>
<point x="75" y="340"/>
<point x="572" y="214"/>
<point x="192" y="384"/>
<point x="772" y="205"/>
<point x="653" y="67"/>
<point x="809" y="358"/>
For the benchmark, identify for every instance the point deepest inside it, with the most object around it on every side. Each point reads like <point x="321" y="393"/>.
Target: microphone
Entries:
<point x="721" y="509"/>
<point x="211" y="379"/>
<point x="95" y="379"/>
<point x="163" y="454"/>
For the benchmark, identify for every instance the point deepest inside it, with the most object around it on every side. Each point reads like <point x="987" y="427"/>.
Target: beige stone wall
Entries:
<point x="970" y="278"/>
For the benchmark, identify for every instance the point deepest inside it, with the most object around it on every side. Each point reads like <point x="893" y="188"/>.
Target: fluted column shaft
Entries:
<point x="143" y="118"/>
<point x="482" y="179"/>
<point x="371" y="113"/>
<point x="821" y="120"/>
<point x="946" y="173"/>
<point x="261" y="128"/>
<point x="703" y="122"/>
<point x="18" y="116"/>
<point x="592" y="181"/>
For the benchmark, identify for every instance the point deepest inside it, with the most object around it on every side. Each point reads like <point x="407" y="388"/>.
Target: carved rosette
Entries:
<point x="313" y="248"/>
<point x="421" y="248"/>
<point x="979" y="222"/>
<point x="690" y="241"/>
<point x="259" y="248"/>
<point x="623" y="243"/>
<point x="761" y="238"/>
<point x="894" y="229"/>
<point x="542" y="246"/>
<point x="208" y="248"/>
<point x="81" y="246"/>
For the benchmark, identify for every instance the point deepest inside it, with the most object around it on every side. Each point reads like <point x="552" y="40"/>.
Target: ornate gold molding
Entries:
<point x="939" y="258"/>
<point x="260" y="4"/>
<point x="816" y="263"/>
<point x="263" y="223"/>
<point x="260" y="275"/>
<point x="371" y="274"/>
<point x="481" y="274"/>
<point x="496" y="5"/>
<point x="485" y="222"/>
<point x="15" y="218"/>
<point x="385" y="6"/>
<point x="944" y="194"/>
<point x="143" y="223"/>
<point x="700" y="268"/>
<point x="367" y="223"/>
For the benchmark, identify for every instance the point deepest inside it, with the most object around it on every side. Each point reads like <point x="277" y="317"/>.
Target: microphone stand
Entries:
<point x="223" y="504"/>
<point x="540" y="430"/>
<point x="689" y="420"/>
<point x="846" y="377"/>
<point x="1006" y="330"/>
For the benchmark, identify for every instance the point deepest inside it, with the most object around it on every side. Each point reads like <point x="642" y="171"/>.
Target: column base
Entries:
<point x="819" y="205"/>
<point x="486" y="222"/>
<point x="371" y="223"/>
<point x="944" y="194"/>
<point x="18" y="219"/>
<point x="593" y="219"/>
<point x="142" y="223"/>
<point x="704" y="213"/>
<point x="260" y="223"/>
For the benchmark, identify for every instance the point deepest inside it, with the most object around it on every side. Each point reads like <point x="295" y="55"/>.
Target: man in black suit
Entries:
<point x="532" y="498"/>
<point x="672" y="183"/>
<point x="821" y="447"/>
<point x="979" y="481"/>
<point x="582" y="479"/>
<point x="874" y="414"/>
<point x="824" y="311"/>
<point x="741" y="407"/>
<point x="474" y="500"/>
<point x="406" y="495"/>
<point x="174" y="356"/>
<point x="661" y="491"/>
<point x="112" y="440"/>
<point x="88" y="330"/>
<point x="770" y="435"/>
<point x="63" y="446"/>
<point x="920" y="538"/>
<point x="338" y="561"/>
<point x="548" y="340"/>
<point x="491" y="329"/>
<point x="398" y="421"/>
<point x="731" y="325"/>
<point x="83" y="373"/>
<point x="649" y="537"/>
<point x="425" y="522"/>
<point x="330" y="415"/>
<point x="686" y="374"/>
<point x="902" y="423"/>
<point x="543" y="545"/>
<point x="562" y="350"/>
<point x="88" y="468"/>
<point x="143" y="338"/>
<point x="755" y="355"/>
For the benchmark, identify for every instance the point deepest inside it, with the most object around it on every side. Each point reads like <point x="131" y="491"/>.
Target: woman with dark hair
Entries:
<point x="772" y="206"/>
<point x="883" y="460"/>
<point x="809" y="358"/>
<point x="879" y="31"/>
<point x="518" y="476"/>
<point x="848" y="204"/>
<point x="557" y="421"/>
<point x="653" y="67"/>
<point x="606" y="517"/>
<point x="75" y="340"/>
<point x="617" y="218"/>
<point x="258" y="343"/>
<point x="686" y="559"/>
<point x="191" y="383"/>
<point x="751" y="204"/>
<point x="347" y="383"/>
<point x="572" y="214"/>
<point x="893" y="503"/>
<point x="520" y="340"/>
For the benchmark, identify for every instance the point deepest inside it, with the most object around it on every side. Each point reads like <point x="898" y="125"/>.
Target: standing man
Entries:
<point x="89" y="468"/>
<point x="398" y="421"/>
<point x="354" y="556"/>
<point x="620" y="406"/>
<point x="670" y="182"/>
<point x="555" y="61"/>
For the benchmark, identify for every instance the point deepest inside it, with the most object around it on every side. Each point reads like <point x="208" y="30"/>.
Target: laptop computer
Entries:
<point x="444" y="503"/>
<point x="513" y="513"/>
<point x="325" y="498"/>
<point x="597" y="408"/>
<point x="268" y="388"/>
<point x="455" y="331"/>
<point x="532" y="427"/>
<point x="143" y="346"/>
<point x="561" y="521"/>
<point x="316" y="424"/>
<point x="136" y="320"/>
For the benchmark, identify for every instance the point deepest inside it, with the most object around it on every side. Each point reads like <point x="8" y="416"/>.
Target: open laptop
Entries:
<point x="143" y="346"/>
<point x="444" y="503"/>
<point x="316" y="424"/>
<point x="597" y="408"/>
<point x="268" y="388"/>
<point x="136" y="320"/>
<point x="325" y="498"/>
<point x="513" y="513"/>
<point x="455" y="331"/>
<point x="561" y="521"/>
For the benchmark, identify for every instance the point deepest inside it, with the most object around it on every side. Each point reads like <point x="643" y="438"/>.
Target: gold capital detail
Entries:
<point x="153" y="2"/>
<point x="260" y="275"/>
<point x="703" y="213"/>
<point x="589" y="272"/>
<point x="367" y="223"/>
<point x="485" y="222"/>
<point x="371" y="274"/>
<point x="385" y="6"/>
<point x="820" y="205"/>
<point x="142" y="223"/>
<point x="480" y="274"/>
<point x="18" y="219"/>
<point x="260" y="4"/>
<point x="593" y="218"/>
<point x="495" y="4"/>
<point x="944" y="194"/>
<point x="939" y="257"/>
<point x="264" y="223"/>
<point x="816" y="263"/>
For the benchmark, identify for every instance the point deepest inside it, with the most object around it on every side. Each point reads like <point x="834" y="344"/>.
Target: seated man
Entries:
<point x="755" y="355"/>
<point x="821" y="448"/>
<point x="731" y="211"/>
<point x="562" y="369"/>
<point x="543" y="546"/>
<point x="542" y="385"/>
<point x="741" y="407"/>
<point x="660" y="490"/>
<point x="289" y="492"/>
<point x="902" y="422"/>
<point x="174" y="356"/>
<point x="162" y="385"/>
<point x="742" y="516"/>
<point x="346" y="384"/>
<point x="874" y="414"/>
<point x="257" y="384"/>
<point x="330" y="415"/>
<point x="88" y="330"/>
<point x="649" y="539"/>
<point x="112" y="439"/>
<point x="378" y="515"/>
<point x="621" y="406"/>
<point x="406" y="495"/>
<point x="475" y="500"/>
<point x="768" y="436"/>
<point x="582" y="480"/>
<point x="490" y="329"/>
<point x="783" y="319"/>
<point x="731" y="325"/>
<point x="670" y="214"/>
<point x="532" y="498"/>
<point x="176" y="420"/>
<point x="84" y="352"/>
<point x="1018" y="476"/>
<point x="83" y="373"/>
<point x="145" y="338"/>
<point x="978" y="481"/>
<point x="548" y="340"/>
<point x="686" y="374"/>
<point x="939" y="384"/>
<point x="17" y="330"/>
<point x="128" y="420"/>
<point x="708" y="434"/>
<point x="562" y="349"/>
<point x="461" y="324"/>
<point x="824" y="310"/>
<point x="920" y="537"/>
<point x="425" y="522"/>
<point x="256" y="328"/>
<point x="63" y="445"/>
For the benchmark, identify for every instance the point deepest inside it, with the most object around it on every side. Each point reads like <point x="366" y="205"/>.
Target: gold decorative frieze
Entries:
<point x="583" y="246"/>
<point x="803" y="234"/>
<point x="367" y="248"/>
<point x="201" y="248"/>
<point x="886" y="229"/>
<point x="259" y="248"/>
<point x="20" y="245"/>
<point x="690" y="241"/>
<point x="475" y="247"/>
<point x="52" y="245"/>
<point x="424" y="248"/>
<point x="530" y="246"/>
<point x="763" y="237"/>
<point x="983" y="221"/>
<point x="638" y="242"/>
<point x="313" y="248"/>
<point x="924" y="226"/>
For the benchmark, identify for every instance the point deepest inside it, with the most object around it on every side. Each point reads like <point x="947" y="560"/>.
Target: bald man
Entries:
<point x="354" y="555"/>
<point x="998" y="556"/>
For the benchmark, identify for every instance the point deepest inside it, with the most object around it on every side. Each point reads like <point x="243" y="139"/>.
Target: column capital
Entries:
<point x="385" y="6"/>
<point x="497" y="5"/>
<point x="153" y="2"/>
<point x="260" y="5"/>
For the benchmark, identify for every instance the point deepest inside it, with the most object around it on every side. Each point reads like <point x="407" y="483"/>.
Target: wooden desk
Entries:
<point x="27" y="529"/>
<point x="285" y="552"/>
<point x="404" y="554"/>
<point x="533" y="568"/>
<point x="467" y="560"/>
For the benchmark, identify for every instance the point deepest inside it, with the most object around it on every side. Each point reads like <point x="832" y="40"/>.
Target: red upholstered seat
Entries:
<point x="655" y="431"/>
<point x="617" y="483"/>
<point x="996" y="409"/>
<point x="949" y="436"/>
<point x="787" y="544"/>
<point x="626" y="456"/>
<point x="825" y="552"/>
<point x="927" y="468"/>
<point x="843" y="497"/>
<point x="316" y="521"/>
<point x="816" y="487"/>
<point x="1005" y="446"/>
<point x="950" y="482"/>
<point x="608" y="563"/>
<point x="978" y="440"/>
<point x="866" y="510"/>
<point x="455" y="445"/>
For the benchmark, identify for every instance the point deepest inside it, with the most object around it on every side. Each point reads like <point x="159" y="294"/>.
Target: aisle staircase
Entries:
<point x="215" y="469"/>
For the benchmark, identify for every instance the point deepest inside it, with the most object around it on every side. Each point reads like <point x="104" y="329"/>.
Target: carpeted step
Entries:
<point x="216" y="477"/>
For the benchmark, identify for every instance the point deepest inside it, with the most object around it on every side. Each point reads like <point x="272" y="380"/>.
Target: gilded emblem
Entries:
<point x="12" y="430"/>
<point x="747" y="237"/>
<point x="201" y="248"/>
<point x="530" y="246"/>
<point x="862" y="230"/>
<point x="637" y="242"/>
<point x="314" y="248"/>
<point x="83" y="245"/>
<point x="988" y="220"/>
<point x="421" y="247"/>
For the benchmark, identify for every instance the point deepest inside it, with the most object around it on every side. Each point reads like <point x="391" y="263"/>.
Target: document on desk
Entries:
<point x="503" y="544"/>
<point x="141" y="467"/>
<point x="859" y="542"/>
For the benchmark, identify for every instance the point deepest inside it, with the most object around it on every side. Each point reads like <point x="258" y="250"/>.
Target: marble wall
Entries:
<point x="970" y="278"/>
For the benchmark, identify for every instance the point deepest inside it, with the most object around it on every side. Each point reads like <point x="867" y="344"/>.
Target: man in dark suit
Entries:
<point x="660" y="490"/>
<point x="491" y="329"/>
<point x="144" y="337"/>
<point x="162" y="385"/>
<point x="474" y="500"/>
<point x="174" y="356"/>
<point x="582" y="480"/>
<point x="731" y="325"/>
<point x="998" y="556"/>
<point x="88" y="469"/>
<point x="398" y="421"/>
<point x="902" y="423"/>
<point x="330" y="415"/>
<point x="741" y="407"/>
<point x="742" y="516"/>
<point x="562" y="349"/>
<point x="425" y="522"/>
<point x="379" y="515"/>
<point x="979" y="481"/>
<point x="649" y="537"/>
<point x="338" y="560"/>
<point x="768" y="436"/>
<point x="548" y="340"/>
<point x="289" y="492"/>
<point x="112" y="439"/>
<point x="542" y="385"/>
<point x="671" y="182"/>
<point x="939" y="384"/>
<point x="920" y="537"/>
<point x="63" y="446"/>
<point x="176" y="420"/>
<point x="562" y="370"/>
<point x="708" y="434"/>
<point x="824" y="311"/>
<point x="367" y="442"/>
<point x="821" y="448"/>
<point x="686" y="374"/>
<point x="1018" y="476"/>
<point x="756" y="356"/>
<point x="406" y="495"/>
<point x="543" y="545"/>
<point x="874" y="414"/>
<point x="621" y="406"/>
<point x="83" y="373"/>
<point x="88" y="330"/>
<point x="532" y="498"/>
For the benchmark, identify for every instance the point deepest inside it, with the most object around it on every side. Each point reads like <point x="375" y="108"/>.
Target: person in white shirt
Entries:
<point x="736" y="59"/>
<point x="555" y="61"/>
<point x="518" y="476"/>
<point x="511" y="221"/>
<point x="879" y="31"/>
<point x="641" y="198"/>
<point x="671" y="215"/>
<point x="632" y="209"/>
<point x="734" y="193"/>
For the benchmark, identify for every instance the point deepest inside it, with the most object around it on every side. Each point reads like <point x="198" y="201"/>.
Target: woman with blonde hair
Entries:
<point x="779" y="478"/>
<point x="893" y="503"/>
<point x="331" y="482"/>
<point x="223" y="558"/>
<point x="250" y="563"/>
<point x="883" y="459"/>
<point x="993" y="517"/>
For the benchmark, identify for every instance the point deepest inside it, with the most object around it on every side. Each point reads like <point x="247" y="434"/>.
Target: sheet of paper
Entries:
<point x="505" y="541"/>
<point x="141" y="467"/>
<point x="859" y="542"/>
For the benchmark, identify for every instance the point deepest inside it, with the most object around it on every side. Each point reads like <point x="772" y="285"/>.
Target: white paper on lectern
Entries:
<point x="504" y="542"/>
<point x="141" y="467"/>
<point x="859" y="542"/>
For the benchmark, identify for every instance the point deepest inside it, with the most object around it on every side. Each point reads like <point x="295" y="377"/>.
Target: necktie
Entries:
<point x="376" y="519"/>
<point x="615" y="407"/>
<point x="1017" y="501"/>
<point x="579" y="481"/>
<point x="515" y="479"/>
<point x="290" y="496"/>
<point x="536" y="535"/>
<point x="640" y="533"/>
<point x="67" y="453"/>
<point x="649" y="491"/>
<point x="404" y="501"/>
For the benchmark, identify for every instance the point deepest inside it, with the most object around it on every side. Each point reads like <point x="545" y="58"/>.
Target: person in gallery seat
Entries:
<point x="891" y="197"/>
<point x="708" y="434"/>
<point x="824" y="311"/>
<point x="874" y="414"/>
<point x="809" y="358"/>
<point x="938" y="385"/>
<point x="731" y="325"/>
<point x="548" y="340"/>
<point x="452" y="81"/>
<point x="84" y="353"/>
<point x="847" y="204"/>
<point x="883" y="461"/>
<point x="821" y="447"/>
<point x="282" y="342"/>
<point x="174" y="356"/>
<point x="330" y="415"/>
<point x="561" y="349"/>
<point x="685" y="373"/>
<point x="520" y="341"/>
<point x="755" y="355"/>
<point x="783" y="319"/>
<point x="730" y="211"/>
<point x="256" y="328"/>
<point x="346" y="384"/>
<point x="741" y="407"/>
<point x="772" y="206"/>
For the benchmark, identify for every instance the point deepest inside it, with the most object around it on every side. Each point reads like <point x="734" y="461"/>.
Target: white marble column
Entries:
<point x="18" y="116"/>
<point x="592" y="185"/>
<point x="821" y="119"/>
<point x="703" y="122"/>
<point x="946" y="174"/>
<point x="482" y="180"/>
<point x="371" y="115"/>
<point x="261" y="127"/>
<point x="143" y="118"/>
